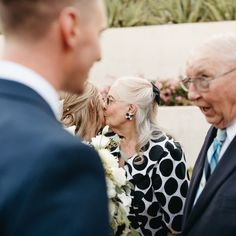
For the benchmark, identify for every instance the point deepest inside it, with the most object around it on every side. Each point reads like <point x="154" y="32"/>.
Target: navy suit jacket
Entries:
<point x="215" y="210"/>
<point x="50" y="183"/>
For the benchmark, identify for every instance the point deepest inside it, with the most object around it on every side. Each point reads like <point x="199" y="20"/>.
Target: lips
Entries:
<point x="207" y="111"/>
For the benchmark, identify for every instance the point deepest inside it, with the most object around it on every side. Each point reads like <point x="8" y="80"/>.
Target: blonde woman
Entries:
<point x="84" y="111"/>
<point x="154" y="162"/>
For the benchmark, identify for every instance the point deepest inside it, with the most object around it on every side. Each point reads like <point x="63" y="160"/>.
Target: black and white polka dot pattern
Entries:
<point x="160" y="187"/>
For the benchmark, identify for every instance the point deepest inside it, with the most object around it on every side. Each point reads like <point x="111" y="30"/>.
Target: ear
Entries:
<point x="69" y="26"/>
<point x="132" y="109"/>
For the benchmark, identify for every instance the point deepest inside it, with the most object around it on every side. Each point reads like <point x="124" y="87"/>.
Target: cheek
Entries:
<point x="114" y="117"/>
<point x="88" y="51"/>
<point x="110" y="111"/>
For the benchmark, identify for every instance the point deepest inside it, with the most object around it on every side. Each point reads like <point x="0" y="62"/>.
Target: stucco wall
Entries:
<point x="153" y="51"/>
<point x="187" y="125"/>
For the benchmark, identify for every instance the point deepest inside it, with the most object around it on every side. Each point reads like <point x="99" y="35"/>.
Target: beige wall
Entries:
<point x="187" y="125"/>
<point x="153" y="51"/>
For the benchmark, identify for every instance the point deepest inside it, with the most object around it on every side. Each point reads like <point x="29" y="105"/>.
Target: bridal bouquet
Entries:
<point x="118" y="189"/>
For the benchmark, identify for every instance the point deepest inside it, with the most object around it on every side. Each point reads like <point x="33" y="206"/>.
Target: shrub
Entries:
<point x="172" y="93"/>
<point x="125" y="13"/>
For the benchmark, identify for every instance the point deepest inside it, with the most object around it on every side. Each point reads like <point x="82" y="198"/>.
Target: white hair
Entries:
<point x="139" y="91"/>
<point x="221" y="46"/>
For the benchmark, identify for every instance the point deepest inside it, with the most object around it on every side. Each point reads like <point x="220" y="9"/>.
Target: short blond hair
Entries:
<point x="33" y="18"/>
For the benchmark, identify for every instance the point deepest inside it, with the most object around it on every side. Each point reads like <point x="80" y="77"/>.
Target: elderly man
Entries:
<point x="211" y="83"/>
<point x="50" y="183"/>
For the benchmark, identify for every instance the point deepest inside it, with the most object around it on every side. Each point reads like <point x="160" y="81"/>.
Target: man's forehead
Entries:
<point x="202" y="65"/>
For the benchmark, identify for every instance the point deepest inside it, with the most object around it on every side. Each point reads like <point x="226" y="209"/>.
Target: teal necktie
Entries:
<point x="211" y="160"/>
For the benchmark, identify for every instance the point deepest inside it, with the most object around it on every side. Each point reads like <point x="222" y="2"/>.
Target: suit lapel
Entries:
<point x="20" y="92"/>
<point x="189" y="211"/>
<point x="227" y="162"/>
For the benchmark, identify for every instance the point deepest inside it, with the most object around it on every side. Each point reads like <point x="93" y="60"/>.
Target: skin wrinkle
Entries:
<point x="219" y="98"/>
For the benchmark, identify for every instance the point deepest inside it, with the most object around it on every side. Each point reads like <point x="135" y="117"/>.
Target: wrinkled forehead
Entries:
<point x="205" y="63"/>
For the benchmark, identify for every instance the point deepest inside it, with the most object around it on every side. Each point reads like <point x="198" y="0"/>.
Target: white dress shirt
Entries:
<point x="231" y="132"/>
<point x="19" y="73"/>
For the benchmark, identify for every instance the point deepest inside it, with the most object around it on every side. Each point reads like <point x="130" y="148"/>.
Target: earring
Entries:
<point x="129" y="116"/>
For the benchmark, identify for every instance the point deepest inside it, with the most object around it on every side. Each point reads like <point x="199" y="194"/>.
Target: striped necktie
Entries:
<point x="211" y="160"/>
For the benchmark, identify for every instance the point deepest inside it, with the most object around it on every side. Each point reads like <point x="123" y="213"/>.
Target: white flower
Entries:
<point x="108" y="159"/>
<point x="126" y="201"/>
<point x="100" y="141"/>
<point x="71" y="129"/>
<point x="111" y="188"/>
<point x="116" y="139"/>
<point x="112" y="208"/>
<point x="105" y="130"/>
<point x="118" y="189"/>
<point x="119" y="176"/>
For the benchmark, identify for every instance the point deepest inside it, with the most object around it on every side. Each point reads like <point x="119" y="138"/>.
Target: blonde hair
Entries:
<point x="83" y="111"/>
<point x="139" y="91"/>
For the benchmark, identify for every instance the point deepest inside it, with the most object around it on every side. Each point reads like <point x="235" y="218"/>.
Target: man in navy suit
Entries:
<point x="50" y="183"/>
<point x="211" y="83"/>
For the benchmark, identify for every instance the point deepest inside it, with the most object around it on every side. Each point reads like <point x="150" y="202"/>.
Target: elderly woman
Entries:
<point x="154" y="162"/>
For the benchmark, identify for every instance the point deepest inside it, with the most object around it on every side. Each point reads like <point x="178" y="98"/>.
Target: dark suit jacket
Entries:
<point x="50" y="183"/>
<point x="215" y="211"/>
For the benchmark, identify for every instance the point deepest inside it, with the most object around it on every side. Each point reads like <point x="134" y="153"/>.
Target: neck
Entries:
<point x="129" y="140"/>
<point x="128" y="132"/>
<point x="44" y="62"/>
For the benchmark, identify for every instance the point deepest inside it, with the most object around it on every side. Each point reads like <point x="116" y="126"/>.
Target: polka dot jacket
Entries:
<point x="160" y="187"/>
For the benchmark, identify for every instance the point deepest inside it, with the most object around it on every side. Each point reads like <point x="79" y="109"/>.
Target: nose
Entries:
<point x="193" y="93"/>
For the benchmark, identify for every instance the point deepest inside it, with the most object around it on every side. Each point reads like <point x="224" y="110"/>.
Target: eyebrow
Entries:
<point x="109" y="96"/>
<point x="203" y="72"/>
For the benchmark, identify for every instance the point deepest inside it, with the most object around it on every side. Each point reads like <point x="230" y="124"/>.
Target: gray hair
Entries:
<point x="139" y="91"/>
<point x="222" y="47"/>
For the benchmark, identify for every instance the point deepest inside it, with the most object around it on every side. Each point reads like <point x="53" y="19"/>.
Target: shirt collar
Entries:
<point x="19" y="73"/>
<point x="231" y="130"/>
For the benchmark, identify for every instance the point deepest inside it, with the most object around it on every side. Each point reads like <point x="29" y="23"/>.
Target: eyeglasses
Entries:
<point x="202" y="84"/>
<point x="110" y="100"/>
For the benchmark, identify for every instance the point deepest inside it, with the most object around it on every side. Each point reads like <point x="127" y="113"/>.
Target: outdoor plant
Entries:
<point x="126" y="13"/>
<point x="219" y="10"/>
<point x="172" y="94"/>
<point x="178" y="11"/>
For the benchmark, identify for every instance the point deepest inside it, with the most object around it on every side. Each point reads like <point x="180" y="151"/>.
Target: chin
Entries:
<point x="76" y="88"/>
<point x="219" y="124"/>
